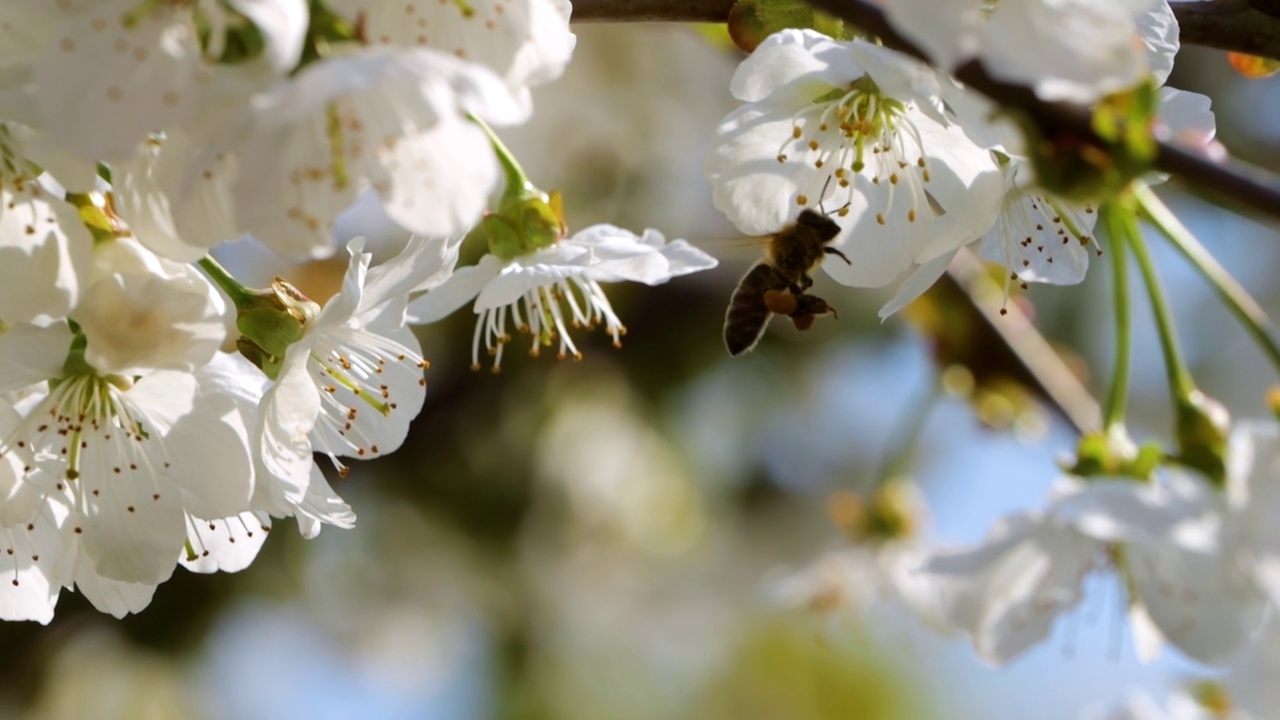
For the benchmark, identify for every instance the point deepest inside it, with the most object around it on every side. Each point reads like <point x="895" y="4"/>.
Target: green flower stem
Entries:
<point x="1236" y="298"/>
<point x="517" y="181"/>
<point x="1118" y="396"/>
<point x="239" y="294"/>
<point x="1180" y="382"/>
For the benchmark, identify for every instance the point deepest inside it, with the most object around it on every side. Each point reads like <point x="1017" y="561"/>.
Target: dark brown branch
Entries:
<point x="1235" y="185"/>
<point x="651" y="10"/>
<point x="1245" y="26"/>
<point x="1248" y="188"/>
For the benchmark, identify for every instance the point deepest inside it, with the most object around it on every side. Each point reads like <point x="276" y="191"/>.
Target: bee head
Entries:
<point x="823" y="226"/>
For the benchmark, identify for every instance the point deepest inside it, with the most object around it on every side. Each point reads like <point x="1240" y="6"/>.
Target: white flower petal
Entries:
<point x="1158" y="27"/>
<point x="283" y="25"/>
<point x="40" y="272"/>
<point x="916" y="284"/>
<point x="461" y="288"/>
<point x="1201" y="603"/>
<point x="29" y="581"/>
<point x="112" y="75"/>
<point x="226" y="545"/>
<point x="30" y="354"/>
<point x="1007" y="592"/>
<point x="289" y="411"/>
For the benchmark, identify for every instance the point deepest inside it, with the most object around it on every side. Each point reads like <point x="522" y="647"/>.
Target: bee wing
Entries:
<point x="748" y="314"/>
<point x="737" y="247"/>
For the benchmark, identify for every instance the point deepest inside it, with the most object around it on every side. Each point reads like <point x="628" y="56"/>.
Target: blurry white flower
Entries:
<point x="881" y="565"/>
<point x="526" y="42"/>
<point x="394" y="120"/>
<point x="1168" y="540"/>
<point x="44" y="254"/>
<point x="1071" y="50"/>
<point x="115" y="70"/>
<point x="1200" y="701"/>
<point x="864" y="130"/>
<point x="550" y="290"/>
<point x="142" y="312"/>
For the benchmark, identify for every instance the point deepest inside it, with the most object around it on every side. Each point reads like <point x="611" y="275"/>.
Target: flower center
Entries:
<point x="858" y="131"/>
<point x="358" y="371"/>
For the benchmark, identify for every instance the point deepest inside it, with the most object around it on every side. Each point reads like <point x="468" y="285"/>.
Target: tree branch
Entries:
<point x="1247" y="26"/>
<point x="714" y="11"/>
<point x="1237" y="25"/>
<point x="1235" y="184"/>
<point x="1067" y="393"/>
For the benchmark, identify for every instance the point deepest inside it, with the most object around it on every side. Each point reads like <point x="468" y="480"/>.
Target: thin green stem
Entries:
<point x="1180" y="382"/>
<point x="517" y="181"/>
<point x="1118" y="396"/>
<point x="1233" y="295"/>
<point x="238" y="293"/>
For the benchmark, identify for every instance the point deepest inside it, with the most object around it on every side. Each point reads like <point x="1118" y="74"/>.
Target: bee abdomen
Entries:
<point x="748" y="313"/>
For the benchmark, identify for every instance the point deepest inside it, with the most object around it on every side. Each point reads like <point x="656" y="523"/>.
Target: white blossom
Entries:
<point x="351" y="384"/>
<point x="393" y="120"/>
<point x="1071" y="50"/>
<point x="526" y="42"/>
<point x="548" y="291"/>
<point x="1167" y="540"/>
<point x="863" y="131"/>
<point x="143" y="312"/>
<point x="116" y="464"/>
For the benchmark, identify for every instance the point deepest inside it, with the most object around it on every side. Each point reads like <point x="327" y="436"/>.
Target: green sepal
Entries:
<point x="242" y="41"/>
<point x="890" y="513"/>
<point x="751" y="21"/>
<point x="270" y="321"/>
<point x="1112" y="454"/>
<point x="1202" y="425"/>
<point x="96" y="212"/>
<point x="526" y="221"/>
<point x="266" y="362"/>
<point x="270" y="329"/>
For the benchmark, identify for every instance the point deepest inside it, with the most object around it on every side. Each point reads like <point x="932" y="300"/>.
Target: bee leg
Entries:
<point x="833" y="251"/>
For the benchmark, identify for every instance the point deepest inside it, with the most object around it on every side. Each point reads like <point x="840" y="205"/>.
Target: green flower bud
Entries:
<point x="1202" y="427"/>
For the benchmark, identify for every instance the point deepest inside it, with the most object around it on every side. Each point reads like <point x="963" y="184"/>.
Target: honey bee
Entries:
<point x="777" y="284"/>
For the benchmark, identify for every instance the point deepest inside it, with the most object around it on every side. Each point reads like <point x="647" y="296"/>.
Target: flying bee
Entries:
<point x="777" y="285"/>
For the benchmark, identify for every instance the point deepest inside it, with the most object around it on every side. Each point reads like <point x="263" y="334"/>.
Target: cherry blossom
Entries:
<point x="862" y="131"/>
<point x="548" y="291"/>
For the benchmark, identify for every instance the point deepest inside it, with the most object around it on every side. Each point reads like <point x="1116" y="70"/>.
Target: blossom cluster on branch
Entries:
<point x="154" y="411"/>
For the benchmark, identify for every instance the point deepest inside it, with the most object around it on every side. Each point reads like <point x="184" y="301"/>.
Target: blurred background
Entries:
<point x="652" y="532"/>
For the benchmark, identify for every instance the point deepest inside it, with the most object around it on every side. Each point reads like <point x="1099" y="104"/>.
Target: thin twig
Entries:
<point x="1064" y="389"/>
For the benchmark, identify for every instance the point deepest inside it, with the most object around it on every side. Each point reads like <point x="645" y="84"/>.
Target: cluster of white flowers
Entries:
<point x="913" y="167"/>
<point x="137" y="429"/>
<point x="917" y="166"/>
